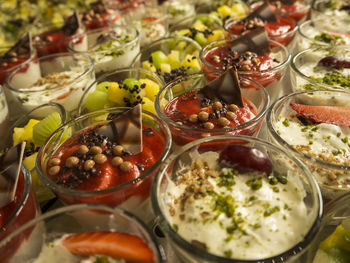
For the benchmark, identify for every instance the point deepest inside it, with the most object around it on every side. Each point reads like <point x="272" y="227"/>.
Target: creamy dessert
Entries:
<point x="236" y="207"/>
<point x="178" y="10"/>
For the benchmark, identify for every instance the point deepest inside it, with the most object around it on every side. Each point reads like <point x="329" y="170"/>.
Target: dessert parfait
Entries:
<point x="321" y="68"/>
<point x="18" y="204"/>
<point x="195" y="107"/>
<point x="85" y="233"/>
<point x="122" y="88"/>
<point x="313" y="125"/>
<point x="246" y="201"/>
<point x="130" y="10"/>
<point x="52" y="40"/>
<point x="170" y="57"/>
<point x="110" y="48"/>
<point x="110" y="158"/>
<point x="178" y="10"/>
<point x="278" y="28"/>
<point x="254" y="56"/>
<point x="203" y="28"/>
<point x="58" y="78"/>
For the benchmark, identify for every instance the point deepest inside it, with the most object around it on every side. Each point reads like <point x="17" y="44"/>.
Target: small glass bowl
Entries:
<point x="15" y="214"/>
<point x="272" y="79"/>
<point x="24" y="97"/>
<point x="107" y="59"/>
<point x="130" y="10"/>
<point x="132" y="195"/>
<point x="334" y="213"/>
<point x="303" y="75"/>
<point x="182" y="134"/>
<point x="166" y="45"/>
<point x="38" y="113"/>
<point x="331" y="174"/>
<point x="179" y="10"/>
<point x="4" y="118"/>
<point x="118" y="76"/>
<point x="110" y="18"/>
<point x="177" y="163"/>
<point x="75" y="219"/>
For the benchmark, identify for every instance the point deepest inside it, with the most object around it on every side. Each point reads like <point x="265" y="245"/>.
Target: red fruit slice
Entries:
<point x="324" y="114"/>
<point x="113" y="244"/>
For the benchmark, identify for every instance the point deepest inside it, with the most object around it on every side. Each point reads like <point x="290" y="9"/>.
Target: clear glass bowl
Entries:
<point x="119" y="76"/>
<point x="15" y="214"/>
<point x="305" y="75"/>
<point x="109" y="58"/>
<point x="179" y="10"/>
<point x="68" y="77"/>
<point x="74" y="219"/>
<point x="182" y="134"/>
<point x="315" y="145"/>
<point x="166" y="189"/>
<point x="272" y="79"/>
<point x="132" y="195"/>
<point x="4" y="117"/>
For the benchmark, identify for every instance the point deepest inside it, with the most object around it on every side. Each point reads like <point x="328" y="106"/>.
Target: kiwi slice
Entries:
<point x="43" y="129"/>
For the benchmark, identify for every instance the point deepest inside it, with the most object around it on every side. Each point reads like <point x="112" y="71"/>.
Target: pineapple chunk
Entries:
<point x="149" y="66"/>
<point x="29" y="161"/>
<point x="25" y="133"/>
<point x="117" y="94"/>
<point x="217" y="35"/>
<point x="174" y="59"/>
<point x="238" y="11"/>
<point x="151" y="89"/>
<point x="184" y="32"/>
<point x="165" y="68"/>
<point x="181" y="45"/>
<point x="17" y="135"/>
<point x="148" y="105"/>
<point x="225" y="11"/>
<point x="199" y="26"/>
<point x="191" y="61"/>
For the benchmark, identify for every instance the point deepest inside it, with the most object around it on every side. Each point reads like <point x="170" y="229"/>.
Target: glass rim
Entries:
<point x="314" y="6"/>
<point x="309" y="23"/>
<point x="164" y="16"/>
<point x="134" y="40"/>
<point x="249" y="123"/>
<point x="81" y="105"/>
<point x="219" y="43"/>
<point x="202" y="254"/>
<point x="311" y="80"/>
<point x="33" y="55"/>
<point x="89" y="67"/>
<point x="58" y="188"/>
<point x="284" y="144"/>
<point x="192" y="18"/>
<point x="25" y="196"/>
<point x="79" y="207"/>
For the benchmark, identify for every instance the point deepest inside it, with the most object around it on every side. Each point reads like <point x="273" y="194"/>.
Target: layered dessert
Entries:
<point x="322" y="68"/>
<point x="294" y="9"/>
<point x="110" y="48"/>
<point x="178" y="10"/>
<point x="130" y="10"/>
<point x="315" y="126"/>
<point x="55" y="40"/>
<point x="236" y="203"/>
<point x="278" y="28"/>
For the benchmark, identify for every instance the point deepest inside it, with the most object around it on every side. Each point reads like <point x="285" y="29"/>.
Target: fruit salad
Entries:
<point x="170" y="57"/>
<point x="226" y="9"/>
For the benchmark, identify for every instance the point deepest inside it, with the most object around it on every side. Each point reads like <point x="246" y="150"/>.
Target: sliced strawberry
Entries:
<point x="113" y="244"/>
<point x="324" y="114"/>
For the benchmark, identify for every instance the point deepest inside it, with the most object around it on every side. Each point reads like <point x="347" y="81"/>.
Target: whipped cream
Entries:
<point x="234" y="215"/>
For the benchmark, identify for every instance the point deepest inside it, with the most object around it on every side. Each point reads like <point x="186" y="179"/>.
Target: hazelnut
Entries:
<point x="231" y="115"/>
<point x="255" y="61"/>
<point x="222" y="121"/>
<point x="179" y="122"/>
<point x="4" y="64"/>
<point x="88" y="165"/>
<point x="203" y="116"/>
<point x="248" y="53"/>
<point x="13" y="59"/>
<point x="233" y="107"/>
<point x="193" y="118"/>
<point x="83" y="149"/>
<point x="217" y="105"/>
<point x="208" y="125"/>
<point x="13" y="54"/>
<point x="54" y="161"/>
<point x="126" y="166"/>
<point x="116" y="161"/>
<point x="54" y="170"/>
<point x="118" y="150"/>
<point x="100" y="158"/>
<point x="96" y="150"/>
<point x="72" y="161"/>
<point x="245" y="67"/>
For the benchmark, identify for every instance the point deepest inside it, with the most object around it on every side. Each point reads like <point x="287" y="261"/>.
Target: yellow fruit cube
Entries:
<point x="148" y="105"/>
<point x="17" y="135"/>
<point x="225" y="11"/>
<point x="191" y="62"/>
<point x="149" y="66"/>
<point x="239" y="11"/>
<point x="151" y="89"/>
<point x="117" y="94"/>
<point x="25" y="133"/>
<point x="29" y="161"/>
<point x="165" y="68"/>
<point x="217" y="35"/>
<point x="199" y="26"/>
<point x="184" y="32"/>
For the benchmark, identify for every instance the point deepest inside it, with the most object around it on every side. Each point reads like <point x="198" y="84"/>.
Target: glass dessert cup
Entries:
<point x="336" y="212"/>
<point x="187" y="48"/>
<point x="226" y="9"/>
<point x="319" y="146"/>
<point x="60" y="78"/>
<point x="16" y="213"/>
<point x="109" y="55"/>
<point x="182" y="134"/>
<point x="307" y="75"/>
<point x="119" y="76"/>
<point x="130" y="10"/>
<point x="168" y="186"/>
<point x="75" y="219"/>
<point x="55" y="40"/>
<point x="232" y="26"/>
<point x="4" y="117"/>
<point x="131" y="192"/>
<point x="38" y="113"/>
<point x="6" y="68"/>
<point x="179" y="10"/>
<point x="92" y="20"/>
<point x="273" y="79"/>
